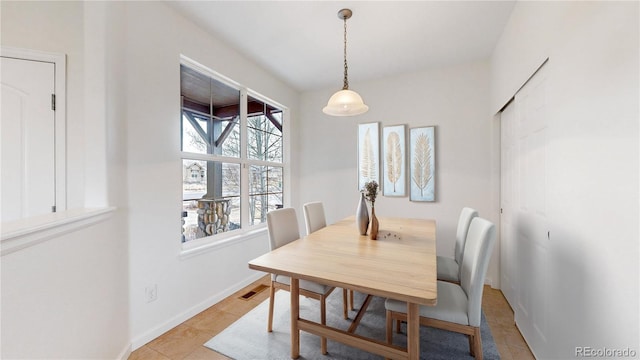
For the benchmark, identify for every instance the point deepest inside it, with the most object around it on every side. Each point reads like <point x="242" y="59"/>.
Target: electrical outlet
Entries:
<point x="151" y="293"/>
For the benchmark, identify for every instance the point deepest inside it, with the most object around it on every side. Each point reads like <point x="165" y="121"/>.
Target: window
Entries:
<point x="232" y="155"/>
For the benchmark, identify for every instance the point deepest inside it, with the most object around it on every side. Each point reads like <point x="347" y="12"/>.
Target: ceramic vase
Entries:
<point x="362" y="216"/>
<point x="373" y="234"/>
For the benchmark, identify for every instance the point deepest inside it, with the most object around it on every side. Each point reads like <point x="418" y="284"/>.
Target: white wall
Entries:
<point x="156" y="36"/>
<point x="455" y="99"/>
<point x="68" y="297"/>
<point x="592" y="162"/>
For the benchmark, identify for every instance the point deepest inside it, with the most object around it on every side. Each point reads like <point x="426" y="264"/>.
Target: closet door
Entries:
<point x="524" y="254"/>
<point x="508" y="201"/>
<point x="531" y="226"/>
<point x="28" y="148"/>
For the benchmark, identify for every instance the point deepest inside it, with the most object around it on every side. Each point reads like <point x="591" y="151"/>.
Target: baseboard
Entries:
<point x="191" y="312"/>
<point x="489" y="281"/>
<point x="125" y="353"/>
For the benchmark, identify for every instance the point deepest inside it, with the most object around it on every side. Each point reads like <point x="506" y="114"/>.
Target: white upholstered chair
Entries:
<point x="314" y="217"/>
<point x="449" y="268"/>
<point x="459" y="306"/>
<point x="283" y="229"/>
<point x="315" y="220"/>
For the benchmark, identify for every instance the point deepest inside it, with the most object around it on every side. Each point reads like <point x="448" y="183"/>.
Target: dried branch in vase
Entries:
<point x="371" y="191"/>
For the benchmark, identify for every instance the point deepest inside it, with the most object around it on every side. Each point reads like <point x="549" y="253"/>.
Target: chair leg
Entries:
<point x="323" y="321"/>
<point x="351" y="300"/>
<point x="272" y="292"/>
<point x="344" y="304"/>
<point x="471" y="348"/>
<point x="389" y="327"/>
<point x="389" y="331"/>
<point x="477" y="343"/>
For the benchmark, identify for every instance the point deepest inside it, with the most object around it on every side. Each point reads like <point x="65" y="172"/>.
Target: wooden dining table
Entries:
<point x="400" y="264"/>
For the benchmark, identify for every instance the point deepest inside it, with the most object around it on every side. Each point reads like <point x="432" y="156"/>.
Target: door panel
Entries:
<point x="524" y="230"/>
<point x="28" y="148"/>
<point x="508" y="277"/>
<point x="531" y="228"/>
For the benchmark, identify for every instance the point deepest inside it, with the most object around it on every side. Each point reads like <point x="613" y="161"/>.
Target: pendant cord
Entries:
<point x="346" y="80"/>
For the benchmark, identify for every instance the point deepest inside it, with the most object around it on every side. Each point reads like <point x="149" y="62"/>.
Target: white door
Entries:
<point x="27" y="128"/>
<point x="508" y="200"/>
<point x="524" y="260"/>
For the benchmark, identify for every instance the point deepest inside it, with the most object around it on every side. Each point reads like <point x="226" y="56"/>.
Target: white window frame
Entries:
<point x="246" y="231"/>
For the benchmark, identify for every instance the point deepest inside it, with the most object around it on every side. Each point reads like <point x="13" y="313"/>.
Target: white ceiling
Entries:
<point x="302" y="41"/>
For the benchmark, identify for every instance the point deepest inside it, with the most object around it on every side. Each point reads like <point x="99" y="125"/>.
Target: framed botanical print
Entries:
<point x="422" y="164"/>
<point x="394" y="168"/>
<point x="368" y="154"/>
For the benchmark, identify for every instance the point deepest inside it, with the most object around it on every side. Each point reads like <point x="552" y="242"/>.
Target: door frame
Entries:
<point x="60" y="114"/>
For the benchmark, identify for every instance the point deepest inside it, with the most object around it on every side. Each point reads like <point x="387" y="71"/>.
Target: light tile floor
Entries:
<point x="186" y="340"/>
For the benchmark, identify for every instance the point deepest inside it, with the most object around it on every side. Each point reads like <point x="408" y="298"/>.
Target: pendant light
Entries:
<point x="345" y="102"/>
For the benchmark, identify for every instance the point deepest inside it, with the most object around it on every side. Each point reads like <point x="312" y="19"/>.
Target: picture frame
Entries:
<point x="422" y="167"/>
<point x="368" y="153"/>
<point x="394" y="160"/>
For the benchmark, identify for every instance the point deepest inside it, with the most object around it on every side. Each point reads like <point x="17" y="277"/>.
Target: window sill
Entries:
<point x="21" y="234"/>
<point x="195" y="247"/>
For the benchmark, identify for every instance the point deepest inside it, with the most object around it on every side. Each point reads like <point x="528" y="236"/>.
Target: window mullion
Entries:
<point x="244" y="171"/>
<point x="286" y="159"/>
<point x="210" y="157"/>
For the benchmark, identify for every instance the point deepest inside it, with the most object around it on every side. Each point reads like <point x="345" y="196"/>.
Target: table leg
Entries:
<point x="294" y="289"/>
<point x="413" y="331"/>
